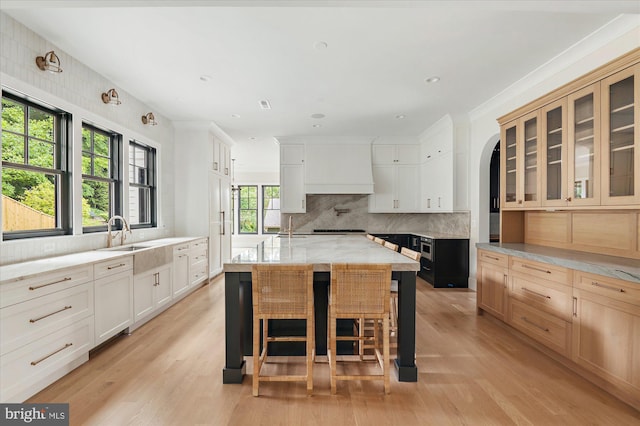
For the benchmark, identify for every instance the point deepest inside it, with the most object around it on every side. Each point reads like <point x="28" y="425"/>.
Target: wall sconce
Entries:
<point x="49" y="62"/>
<point x="111" y="97"/>
<point x="149" y="119"/>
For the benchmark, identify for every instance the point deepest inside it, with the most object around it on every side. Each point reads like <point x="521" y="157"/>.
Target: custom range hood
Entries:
<point x="338" y="169"/>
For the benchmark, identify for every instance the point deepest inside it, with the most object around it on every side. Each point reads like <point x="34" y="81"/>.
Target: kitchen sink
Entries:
<point x="126" y="248"/>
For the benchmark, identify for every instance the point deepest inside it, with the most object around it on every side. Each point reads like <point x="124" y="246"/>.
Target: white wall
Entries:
<point x="612" y="41"/>
<point x="78" y="90"/>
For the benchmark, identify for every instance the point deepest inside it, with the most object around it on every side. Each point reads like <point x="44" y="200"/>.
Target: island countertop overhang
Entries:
<point x="319" y="250"/>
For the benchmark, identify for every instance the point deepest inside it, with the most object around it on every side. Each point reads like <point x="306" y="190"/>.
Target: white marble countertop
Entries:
<point x="32" y="268"/>
<point x="609" y="266"/>
<point x="321" y="251"/>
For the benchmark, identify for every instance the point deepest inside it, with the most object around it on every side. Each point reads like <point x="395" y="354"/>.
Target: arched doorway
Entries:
<point x="494" y="195"/>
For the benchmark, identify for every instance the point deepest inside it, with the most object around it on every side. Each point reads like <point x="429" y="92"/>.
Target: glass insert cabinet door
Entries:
<point x="583" y="149"/>
<point x="531" y="171"/>
<point x="620" y="137"/>
<point x="509" y="166"/>
<point x="554" y="143"/>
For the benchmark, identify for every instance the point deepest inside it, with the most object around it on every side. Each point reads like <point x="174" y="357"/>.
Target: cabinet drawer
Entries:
<point x="621" y="290"/>
<point x="25" y="322"/>
<point x="198" y="244"/>
<point x="112" y="266"/>
<point x="31" y="364"/>
<point x="541" y="270"/>
<point x="30" y="288"/>
<point x="198" y="256"/>
<point x="494" y="258"/>
<point x="546" y="329"/>
<point x="548" y="296"/>
<point x="198" y="273"/>
<point x="180" y="249"/>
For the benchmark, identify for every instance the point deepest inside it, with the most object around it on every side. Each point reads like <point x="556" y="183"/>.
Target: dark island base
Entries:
<point x="239" y="333"/>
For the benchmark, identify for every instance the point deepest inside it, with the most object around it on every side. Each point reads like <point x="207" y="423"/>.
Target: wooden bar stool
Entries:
<point x="371" y="237"/>
<point x="378" y="240"/>
<point x="391" y="246"/>
<point x="359" y="291"/>
<point x="282" y="292"/>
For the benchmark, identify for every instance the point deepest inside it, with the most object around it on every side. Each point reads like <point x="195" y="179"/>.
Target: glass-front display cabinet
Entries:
<point x="620" y="134"/>
<point x="554" y="145"/>
<point x="583" y="148"/>
<point x="509" y="166"/>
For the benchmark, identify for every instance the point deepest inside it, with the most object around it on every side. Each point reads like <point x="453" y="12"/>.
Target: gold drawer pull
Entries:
<point x="117" y="266"/>
<point x="536" y="269"/>
<point x="608" y="287"/>
<point x="51" y="354"/>
<point x="525" y="319"/>
<point x="52" y="283"/>
<point x="48" y="315"/>
<point x="491" y="257"/>
<point x="536" y="293"/>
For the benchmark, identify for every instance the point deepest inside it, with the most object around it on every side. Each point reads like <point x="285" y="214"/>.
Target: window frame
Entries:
<point x="115" y="173"/>
<point x="152" y="172"/>
<point x="62" y="128"/>
<point x="264" y="208"/>
<point x="240" y="210"/>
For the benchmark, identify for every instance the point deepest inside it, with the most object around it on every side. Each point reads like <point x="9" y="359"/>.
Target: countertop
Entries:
<point x="32" y="268"/>
<point x="609" y="266"/>
<point x="321" y="251"/>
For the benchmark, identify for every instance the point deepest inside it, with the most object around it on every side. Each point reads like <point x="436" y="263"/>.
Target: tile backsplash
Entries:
<point x="351" y="212"/>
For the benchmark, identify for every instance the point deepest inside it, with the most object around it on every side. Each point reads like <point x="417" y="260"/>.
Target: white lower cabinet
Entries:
<point x="151" y="290"/>
<point x="114" y="305"/>
<point x="181" y="277"/>
<point x="34" y="366"/>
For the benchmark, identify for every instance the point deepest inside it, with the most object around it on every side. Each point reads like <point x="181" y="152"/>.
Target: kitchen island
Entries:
<point x="320" y="251"/>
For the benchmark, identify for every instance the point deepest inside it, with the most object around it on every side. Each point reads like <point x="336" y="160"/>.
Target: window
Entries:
<point x="35" y="174"/>
<point x="248" y="209"/>
<point x="270" y="209"/>
<point x="101" y="178"/>
<point x="142" y="185"/>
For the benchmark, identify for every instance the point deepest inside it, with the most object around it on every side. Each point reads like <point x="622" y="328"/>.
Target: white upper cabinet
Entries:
<point x="221" y="163"/>
<point x="396" y="177"/>
<point x="395" y="154"/>
<point x="292" y="194"/>
<point x="438" y="168"/>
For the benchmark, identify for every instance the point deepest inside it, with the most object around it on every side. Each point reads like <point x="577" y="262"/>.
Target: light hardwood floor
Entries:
<point x="472" y="371"/>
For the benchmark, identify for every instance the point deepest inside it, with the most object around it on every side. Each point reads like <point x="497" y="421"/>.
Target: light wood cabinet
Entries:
<point x="578" y="147"/>
<point x="620" y="137"/>
<point x="540" y="302"/>
<point x="584" y="147"/>
<point x="606" y="330"/>
<point x="590" y="320"/>
<point x="521" y="162"/>
<point x="554" y="146"/>
<point x="492" y="274"/>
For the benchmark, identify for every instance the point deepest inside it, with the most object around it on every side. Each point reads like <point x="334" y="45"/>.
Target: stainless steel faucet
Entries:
<point x="125" y="228"/>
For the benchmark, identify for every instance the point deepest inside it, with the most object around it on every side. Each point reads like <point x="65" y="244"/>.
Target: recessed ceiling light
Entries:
<point x="317" y="115"/>
<point x="433" y="79"/>
<point x="252" y="138"/>
<point x="235" y="115"/>
<point x="205" y="77"/>
<point x="264" y="104"/>
<point x="399" y="117"/>
<point x="316" y="125"/>
<point x="320" y="45"/>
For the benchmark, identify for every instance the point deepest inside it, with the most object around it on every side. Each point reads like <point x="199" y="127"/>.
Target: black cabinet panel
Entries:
<point x="450" y="264"/>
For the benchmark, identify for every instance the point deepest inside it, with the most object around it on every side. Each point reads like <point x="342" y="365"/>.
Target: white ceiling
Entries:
<point x="377" y="56"/>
